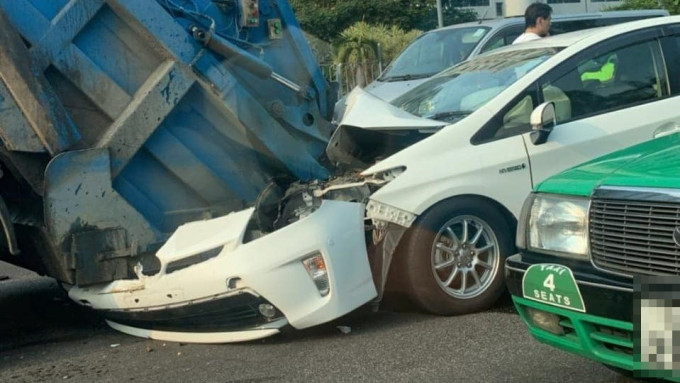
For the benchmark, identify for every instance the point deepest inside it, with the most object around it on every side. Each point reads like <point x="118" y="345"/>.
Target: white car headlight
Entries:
<point x="390" y="174"/>
<point x="381" y="212"/>
<point x="316" y="267"/>
<point x="559" y="225"/>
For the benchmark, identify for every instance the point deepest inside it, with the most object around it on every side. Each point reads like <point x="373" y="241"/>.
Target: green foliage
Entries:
<point x="357" y="48"/>
<point x="327" y="19"/>
<point x="673" y="6"/>
<point x="359" y="42"/>
<point x="636" y="4"/>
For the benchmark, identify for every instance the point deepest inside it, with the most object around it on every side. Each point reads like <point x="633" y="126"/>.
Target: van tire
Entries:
<point x="430" y="255"/>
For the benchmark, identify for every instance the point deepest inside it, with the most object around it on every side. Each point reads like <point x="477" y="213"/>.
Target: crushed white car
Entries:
<point x="434" y="181"/>
<point x="218" y="285"/>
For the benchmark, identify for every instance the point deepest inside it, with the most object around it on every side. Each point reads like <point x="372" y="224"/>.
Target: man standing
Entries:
<point x="536" y="23"/>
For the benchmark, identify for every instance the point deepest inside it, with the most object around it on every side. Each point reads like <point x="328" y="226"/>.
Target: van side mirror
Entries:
<point x="542" y="122"/>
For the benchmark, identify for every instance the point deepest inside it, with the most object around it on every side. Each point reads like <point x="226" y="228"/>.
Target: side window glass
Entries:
<point x="514" y="118"/>
<point x="613" y="80"/>
<point x="519" y="114"/>
<point x="495" y="42"/>
<point x="503" y="38"/>
<point x="558" y="27"/>
<point x="671" y="53"/>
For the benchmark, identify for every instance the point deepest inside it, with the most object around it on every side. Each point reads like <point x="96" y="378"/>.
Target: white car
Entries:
<point x="455" y="157"/>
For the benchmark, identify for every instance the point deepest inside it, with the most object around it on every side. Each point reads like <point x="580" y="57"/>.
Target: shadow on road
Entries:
<point x="37" y="310"/>
<point x="395" y="312"/>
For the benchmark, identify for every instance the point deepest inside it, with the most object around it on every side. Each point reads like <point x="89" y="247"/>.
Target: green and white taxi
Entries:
<point x="588" y="239"/>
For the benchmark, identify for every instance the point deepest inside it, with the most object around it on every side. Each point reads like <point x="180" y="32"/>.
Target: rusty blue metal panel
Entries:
<point x="48" y="8"/>
<point x="304" y="53"/>
<point x="168" y="31"/>
<point x="68" y="23"/>
<point x="116" y="50"/>
<point x="187" y="133"/>
<point x="27" y="19"/>
<point x="41" y="111"/>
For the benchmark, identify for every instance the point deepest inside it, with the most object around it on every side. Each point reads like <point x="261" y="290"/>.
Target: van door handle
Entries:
<point x="666" y="129"/>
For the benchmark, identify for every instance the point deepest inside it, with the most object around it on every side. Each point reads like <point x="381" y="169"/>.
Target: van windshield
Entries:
<point x="433" y="52"/>
<point x="459" y="91"/>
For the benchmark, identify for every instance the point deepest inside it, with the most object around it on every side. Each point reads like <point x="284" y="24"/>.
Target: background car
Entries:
<point x="441" y="48"/>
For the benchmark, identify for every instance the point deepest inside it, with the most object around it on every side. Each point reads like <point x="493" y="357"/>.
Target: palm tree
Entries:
<point x="358" y="46"/>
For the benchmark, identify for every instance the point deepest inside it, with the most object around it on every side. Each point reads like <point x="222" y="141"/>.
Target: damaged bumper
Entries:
<point x="244" y="291"/>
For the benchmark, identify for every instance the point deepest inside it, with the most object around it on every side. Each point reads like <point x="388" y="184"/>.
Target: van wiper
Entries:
<point x="406" y="77"/>
<point x="447" y="116"/>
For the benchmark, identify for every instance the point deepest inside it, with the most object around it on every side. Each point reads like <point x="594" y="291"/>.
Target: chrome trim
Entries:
<point x="592" y="261"/>
<point x="521" y="240"/>
<point x="630" y="193"/>
<point x="672" y="195"/>
<point x="515" y="269"/>
<point x="585" y="283"/>
<point x="617" y="273"/>
<point x="608" y="287"/>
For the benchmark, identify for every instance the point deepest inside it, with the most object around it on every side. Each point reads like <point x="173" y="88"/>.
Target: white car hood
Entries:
<point x="389" y="90"/>
<point x="372" y="130"/>
<point x="368" y="111"/>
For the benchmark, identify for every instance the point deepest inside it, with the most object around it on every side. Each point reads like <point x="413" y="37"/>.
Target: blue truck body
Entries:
<point x="123" y="119"/>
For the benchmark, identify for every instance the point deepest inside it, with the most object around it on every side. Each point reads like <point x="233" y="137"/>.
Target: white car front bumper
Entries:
<point x="218" y="300"/>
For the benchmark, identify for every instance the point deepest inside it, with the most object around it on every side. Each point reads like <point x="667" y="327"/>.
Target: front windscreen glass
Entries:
<point x="433" y="52"/>
<point x="459" y="91"/>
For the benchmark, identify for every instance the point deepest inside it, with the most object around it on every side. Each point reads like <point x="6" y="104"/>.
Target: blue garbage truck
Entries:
<point x="123" y="120"/>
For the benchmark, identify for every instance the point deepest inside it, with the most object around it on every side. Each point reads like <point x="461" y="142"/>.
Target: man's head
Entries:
<point x="537" y="19"/>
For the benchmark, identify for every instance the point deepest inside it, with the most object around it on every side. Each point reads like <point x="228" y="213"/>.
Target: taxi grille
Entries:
<point x="631" y="231"/>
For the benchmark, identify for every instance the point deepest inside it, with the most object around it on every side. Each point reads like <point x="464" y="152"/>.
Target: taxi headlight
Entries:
<point x="559" y="225"/>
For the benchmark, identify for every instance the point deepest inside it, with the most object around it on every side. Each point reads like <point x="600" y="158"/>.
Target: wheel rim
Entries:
<point x="465" y="257"/>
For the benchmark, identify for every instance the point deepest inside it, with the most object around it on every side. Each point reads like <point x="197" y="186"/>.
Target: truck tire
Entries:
<point x="453" y="257"/>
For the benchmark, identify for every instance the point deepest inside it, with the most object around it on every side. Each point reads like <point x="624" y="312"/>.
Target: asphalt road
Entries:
<point x="44" y="338"/>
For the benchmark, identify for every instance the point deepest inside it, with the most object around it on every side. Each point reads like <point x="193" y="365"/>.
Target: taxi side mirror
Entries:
<point x="542" y="122"/>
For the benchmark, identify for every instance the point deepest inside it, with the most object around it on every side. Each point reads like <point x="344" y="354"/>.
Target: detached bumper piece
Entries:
<point x="214" y="287"/>
<point x="225" y="319"/>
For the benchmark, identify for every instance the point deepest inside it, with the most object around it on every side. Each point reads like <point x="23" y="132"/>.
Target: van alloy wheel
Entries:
<point x="450" y="260"/>
<point x="465" y="257"/>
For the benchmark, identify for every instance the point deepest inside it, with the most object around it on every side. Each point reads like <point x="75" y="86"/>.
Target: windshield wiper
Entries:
<point x="406" y="77"/>
<point x="446" y="116"/>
